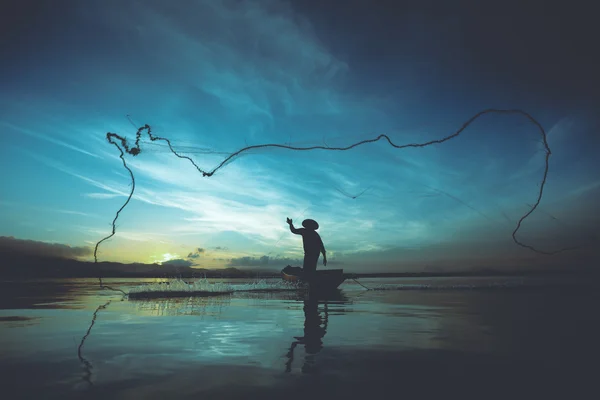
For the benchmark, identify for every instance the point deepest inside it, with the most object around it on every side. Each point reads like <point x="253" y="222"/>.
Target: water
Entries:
<point x="473" y="337"/>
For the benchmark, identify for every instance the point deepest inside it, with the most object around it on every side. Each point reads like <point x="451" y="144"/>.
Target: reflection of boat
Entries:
<point x="335" y="296"/>
<point x="323" y="280"/>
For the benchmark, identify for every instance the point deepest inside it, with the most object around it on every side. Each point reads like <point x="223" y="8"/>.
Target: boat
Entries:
<point x="326" y="279"/>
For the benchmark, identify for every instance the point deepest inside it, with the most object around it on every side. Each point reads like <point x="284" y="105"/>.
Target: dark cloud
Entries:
<point x="472" y="255"/>
<point x="179" y="262"/>
<point x="220" y="248"/>
<point x="249" y="261"/>
<point x="196" y="253"/>
<point x="32" y="247"/>
<point x="274" y="262"/>
<point x="271" y="262"/>
<point x="509" y="45"/>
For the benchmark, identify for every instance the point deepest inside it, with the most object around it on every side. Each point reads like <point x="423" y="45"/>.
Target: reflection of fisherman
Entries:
<point x="313" y="245"/>
<point x="313" y="335"/>
<point x="313" y="332"/>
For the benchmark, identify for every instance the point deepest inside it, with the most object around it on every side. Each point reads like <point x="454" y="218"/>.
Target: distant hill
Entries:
<point x="18" y="264"/>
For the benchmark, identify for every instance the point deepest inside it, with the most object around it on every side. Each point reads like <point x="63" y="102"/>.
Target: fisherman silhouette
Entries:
<point x="313" y="246"/>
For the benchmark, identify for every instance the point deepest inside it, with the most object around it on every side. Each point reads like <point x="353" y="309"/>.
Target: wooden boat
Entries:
<point x="325" y="280"/>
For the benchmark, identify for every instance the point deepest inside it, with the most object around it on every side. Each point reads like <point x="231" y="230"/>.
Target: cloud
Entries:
<point x="47" y="138"/>
<point x="257" y="59"/>
<point x="101" y="195"/>
<point x="46" y="209"/>
<point x="196" y="253"/>
<point x="178" y="262"/>
<point x="263" y="261"/>
<point x="32" y="247"/>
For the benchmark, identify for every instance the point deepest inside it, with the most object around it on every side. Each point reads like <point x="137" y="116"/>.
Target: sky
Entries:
<point x="216" y="76"/>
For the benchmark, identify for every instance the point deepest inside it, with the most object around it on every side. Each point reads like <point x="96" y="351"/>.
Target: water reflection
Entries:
<point x="315" y="328"/>
<point x="40" y="294"/>
<point x="87" y="365"/>
<point x="236" y="346"/>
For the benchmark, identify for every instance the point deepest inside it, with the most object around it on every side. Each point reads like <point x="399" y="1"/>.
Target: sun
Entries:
<point x="166" y="257"/>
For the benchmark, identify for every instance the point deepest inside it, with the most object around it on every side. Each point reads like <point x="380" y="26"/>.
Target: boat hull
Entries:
<point x="324" y="280"/>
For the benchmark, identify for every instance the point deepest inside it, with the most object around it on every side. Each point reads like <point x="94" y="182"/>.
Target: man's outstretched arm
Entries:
<point x="292" y="229"/>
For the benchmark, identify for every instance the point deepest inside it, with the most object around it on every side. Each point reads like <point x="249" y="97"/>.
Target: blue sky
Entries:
<point x="215" y="76"/>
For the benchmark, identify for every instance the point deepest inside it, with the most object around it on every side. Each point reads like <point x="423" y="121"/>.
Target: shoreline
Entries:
<point x="215" y="274"/>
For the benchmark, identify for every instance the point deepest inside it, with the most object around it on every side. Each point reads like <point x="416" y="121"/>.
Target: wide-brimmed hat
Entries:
<point x="310" y="224"/>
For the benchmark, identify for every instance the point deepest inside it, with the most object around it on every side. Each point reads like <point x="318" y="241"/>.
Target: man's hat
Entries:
<point x="310" y="224"/>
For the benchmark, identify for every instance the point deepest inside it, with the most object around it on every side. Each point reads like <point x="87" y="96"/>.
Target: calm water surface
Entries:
<point x="474" y="337"/>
